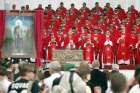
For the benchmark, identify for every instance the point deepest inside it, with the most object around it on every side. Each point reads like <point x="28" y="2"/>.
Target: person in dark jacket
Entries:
<point x="98" y="78"/>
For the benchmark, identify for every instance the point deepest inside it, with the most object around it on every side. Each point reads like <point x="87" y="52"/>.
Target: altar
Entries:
<point x="68" y="56"/>
<point x="76" y="56"/>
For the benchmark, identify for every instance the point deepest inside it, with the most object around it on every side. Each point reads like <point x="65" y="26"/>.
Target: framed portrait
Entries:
<point x="19" y="40"/>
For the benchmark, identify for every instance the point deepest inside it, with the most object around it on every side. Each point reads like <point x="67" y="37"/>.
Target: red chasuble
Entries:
<point x="88" y="52"/>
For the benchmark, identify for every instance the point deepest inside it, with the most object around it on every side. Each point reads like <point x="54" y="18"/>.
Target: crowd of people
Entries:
<point x="56" y="77"/>
<point x="103" y="33"/>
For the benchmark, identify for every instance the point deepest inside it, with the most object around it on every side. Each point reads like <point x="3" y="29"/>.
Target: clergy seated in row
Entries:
<point x="25" y="8"/>
<point x="85" y="11"/>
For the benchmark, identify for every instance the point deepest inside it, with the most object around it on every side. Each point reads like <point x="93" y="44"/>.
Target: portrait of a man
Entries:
<point x="19" y="36"/>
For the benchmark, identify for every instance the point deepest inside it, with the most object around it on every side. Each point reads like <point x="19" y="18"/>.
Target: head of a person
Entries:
<point x="83" y="70"/>
<point x="22" y="8"/>
<point x="118" y="83"/>
<point x="72" y="5"/>
<point x="40" y="6"/>
<point x="59" y="29"/>
<point x="13" y="7"/>
<point x="88" y="36"/>
<point x="9" y="65"/>
<point x="73" y="29"/>
<point x="95" y="30"/>
<point x="27" y="7"/>
<point x="132" y="7"/>
<point x="129" y="10"/>
<point x="54" y="67"/>
<point x="97" y="89"/>
<point x="107" y="4"/>
<point x="84" y="4"/>
<point x="96" y="64"/>
<point x="61" y="4"/>
<point x="15" y="63"/>
<point x="115" y="67"/>
<point x="49" y="6"/>
<point x="119" y="6"/>
<point x="18" y="23"/>
<point x="107" y="32"/>
<point x="137" y="72"/>
<point x="85" y="29"/>
<point x="96" y="4"/>
<point x="46" y="9"/>
<point x="3" y="71"/>
<point x="27" y="71"/>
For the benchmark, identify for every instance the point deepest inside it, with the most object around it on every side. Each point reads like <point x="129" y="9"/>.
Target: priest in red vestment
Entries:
<point x="84" y="10"/>
<point x="59" y="37"/>
<point x="108" y="53"/>
<point x="97" y="8"/>
<point x="123" y="52"/>
<point x="88" y="52"/>
<point x="109" y="10"/>
<point x="61" y="10"/>
<point x="50" y="11"/>
<point x="97" y="39"/>
<point x="46" y="40"/>
<point x="120" y="12"/>
<point x="51" y="47"/>
<point x="73" y="11"/>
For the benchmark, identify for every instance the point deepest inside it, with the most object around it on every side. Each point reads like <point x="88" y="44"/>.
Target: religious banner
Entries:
<point x="67" y="55"/>
<point x="19" y="36"/>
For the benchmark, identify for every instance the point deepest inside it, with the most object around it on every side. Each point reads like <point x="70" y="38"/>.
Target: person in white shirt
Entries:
<point x="84" y="73"/>
<point x="136" y="88"/>
<point x="4" y="83"/>
<point x="69" y="82"/>
<point x="54" y="70"/>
